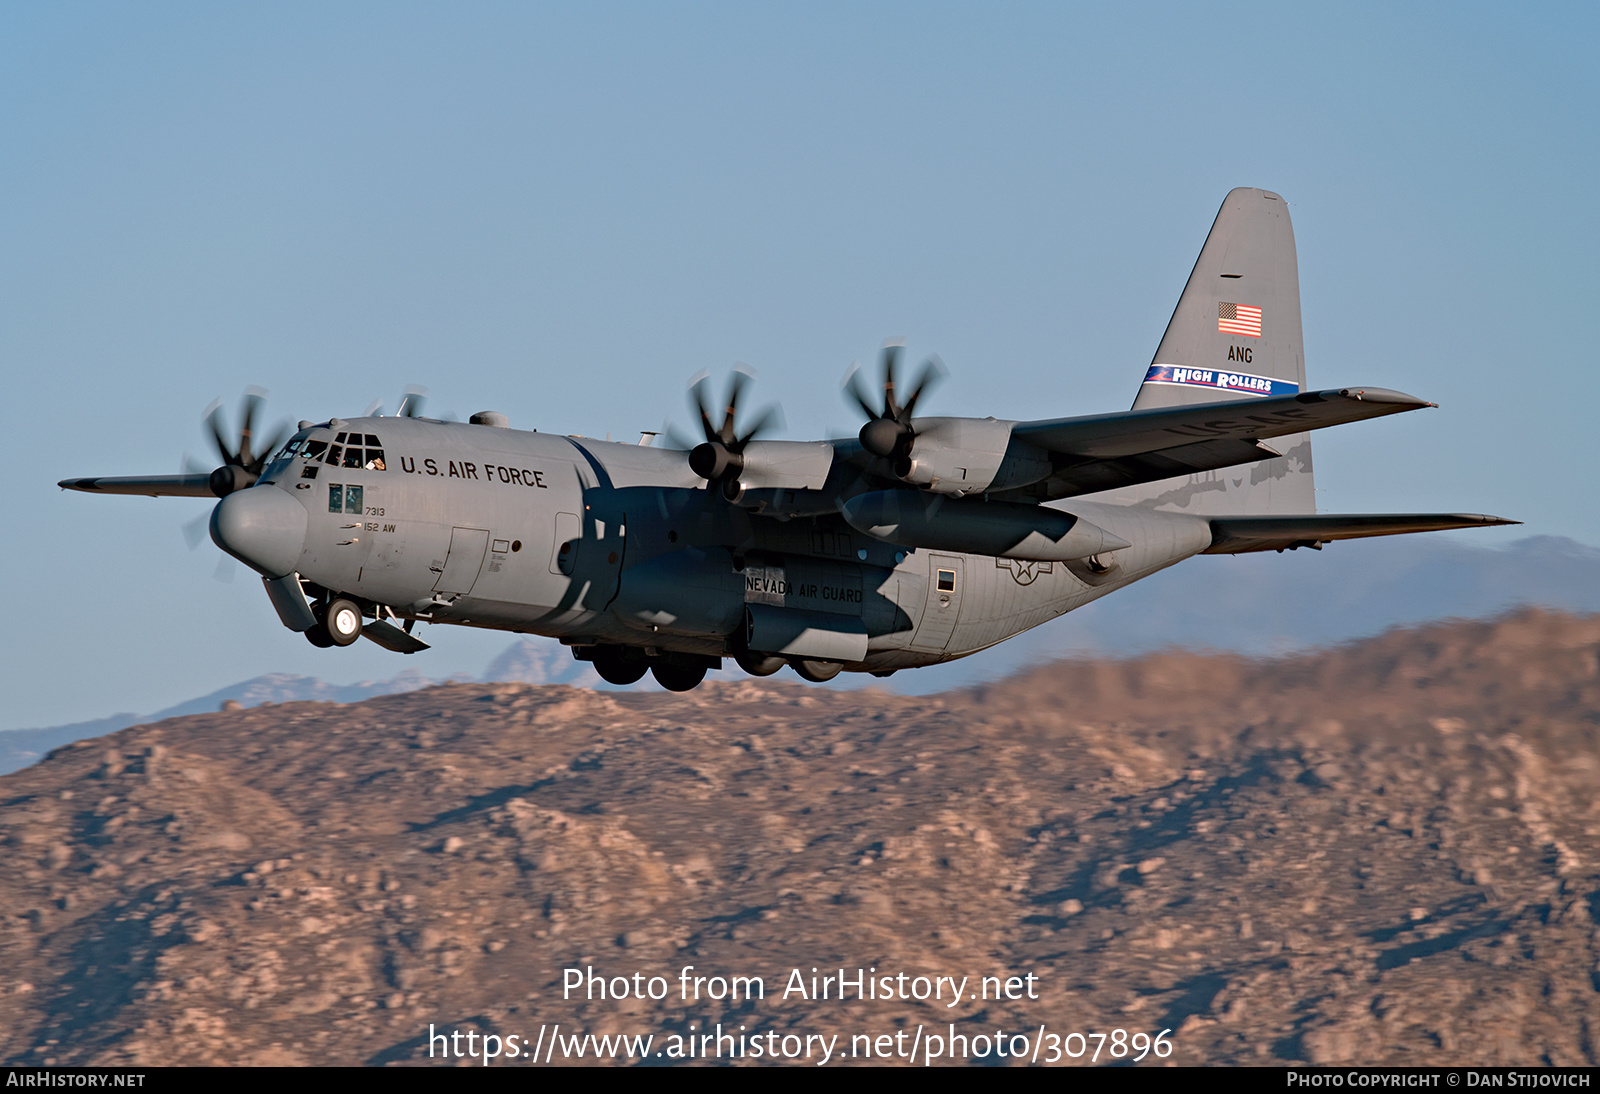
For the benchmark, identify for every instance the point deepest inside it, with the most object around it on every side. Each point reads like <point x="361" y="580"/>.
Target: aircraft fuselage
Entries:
<point x="599" y="543"/>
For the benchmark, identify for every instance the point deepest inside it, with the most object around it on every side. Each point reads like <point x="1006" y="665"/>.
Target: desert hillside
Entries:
<point x="1387" y="852"/>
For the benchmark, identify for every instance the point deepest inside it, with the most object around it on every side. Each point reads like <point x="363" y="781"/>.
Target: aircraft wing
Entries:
<point x="1239" y="535"/>
<point x="154" y="486"/>
<point x="1105" y="451"/>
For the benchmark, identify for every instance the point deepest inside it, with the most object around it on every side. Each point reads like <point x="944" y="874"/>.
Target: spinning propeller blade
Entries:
<point x="720" y="458"/>
<point x="888" y="432"/>
<point x="242" y="461"/>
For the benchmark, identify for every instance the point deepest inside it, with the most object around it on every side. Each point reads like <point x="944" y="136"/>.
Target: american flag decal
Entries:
<point x="1239" y="319"/>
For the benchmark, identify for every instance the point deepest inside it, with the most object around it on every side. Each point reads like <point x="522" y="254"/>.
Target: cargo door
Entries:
<point x="946" y="578"/>
<point x="461" y="565"/>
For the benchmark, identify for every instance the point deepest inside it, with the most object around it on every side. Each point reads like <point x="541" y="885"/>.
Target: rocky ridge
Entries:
<point x="1386" y="852"/>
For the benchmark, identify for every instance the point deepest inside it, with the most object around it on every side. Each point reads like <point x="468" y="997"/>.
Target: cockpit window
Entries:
<point x="287" y="450"/>
<point x="350" y="455"/>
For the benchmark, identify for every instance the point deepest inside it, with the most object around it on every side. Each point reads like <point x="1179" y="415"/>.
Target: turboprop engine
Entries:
<point x="912" y="518"/>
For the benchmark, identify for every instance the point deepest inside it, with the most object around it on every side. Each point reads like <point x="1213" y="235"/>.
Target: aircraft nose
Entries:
<point x="262" y="527"/>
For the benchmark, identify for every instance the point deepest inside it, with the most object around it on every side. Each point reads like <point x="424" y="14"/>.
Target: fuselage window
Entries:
<point x="335" y="498"/>
<point x="352" y="499"/>
<point x="947" y="581"/>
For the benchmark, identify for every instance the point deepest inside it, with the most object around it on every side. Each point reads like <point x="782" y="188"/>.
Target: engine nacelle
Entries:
<point x="961" y="456"/>
<point x="766" y="465"/>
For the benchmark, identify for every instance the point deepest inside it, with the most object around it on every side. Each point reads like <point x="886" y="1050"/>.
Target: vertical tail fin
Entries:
<point x="1235" y="335"/>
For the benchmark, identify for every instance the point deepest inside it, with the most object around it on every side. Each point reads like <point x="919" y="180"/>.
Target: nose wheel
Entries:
<point x="343" y="620"/>
<point x="338" y="624"/>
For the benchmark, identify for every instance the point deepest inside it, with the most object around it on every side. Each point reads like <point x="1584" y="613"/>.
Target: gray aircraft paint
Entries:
<point x="608" y="545"/>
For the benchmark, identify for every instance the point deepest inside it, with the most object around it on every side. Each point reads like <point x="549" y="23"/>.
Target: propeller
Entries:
<point x="409" y="406"/>
<point x="889" y="433"/>
<point x="242" y="460"/>
<point x="719" y="459"/>
<point x="411" y="402"/>
<point x="195" y="533"/>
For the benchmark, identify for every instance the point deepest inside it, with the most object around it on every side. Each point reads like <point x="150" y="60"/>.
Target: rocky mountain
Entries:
<point x="1386" y="852"/>
<point x="540" y="661"/>
<point x="21" y="747"/>
<point x="527" y="661"/>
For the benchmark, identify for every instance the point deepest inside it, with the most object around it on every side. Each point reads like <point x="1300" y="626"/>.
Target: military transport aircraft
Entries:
<point x="921" y="540"/>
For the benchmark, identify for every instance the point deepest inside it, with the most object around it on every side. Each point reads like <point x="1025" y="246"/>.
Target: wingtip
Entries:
<point x="1384" y="395"/>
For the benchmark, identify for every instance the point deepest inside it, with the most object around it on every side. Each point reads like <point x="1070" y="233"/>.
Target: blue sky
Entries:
<point x="562" y="212"/>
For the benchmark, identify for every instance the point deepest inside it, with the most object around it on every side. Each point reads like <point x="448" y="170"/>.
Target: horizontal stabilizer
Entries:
<point x="1238" y="535"/>
<point x="153" y="486"/>
<point x="391" y="637"/>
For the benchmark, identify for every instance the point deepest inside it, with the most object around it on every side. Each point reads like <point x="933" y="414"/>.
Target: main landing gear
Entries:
<point x="623" y="665"/>
<point x="760" y="664"/>
<point x="678" y="677"/>
<point x="757" y="663"/>
<point x="818" y="672"/>
<point x="620" y="665"/>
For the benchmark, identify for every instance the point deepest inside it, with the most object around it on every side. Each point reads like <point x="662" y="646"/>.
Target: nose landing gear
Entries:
<point x="338" y="624"/>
